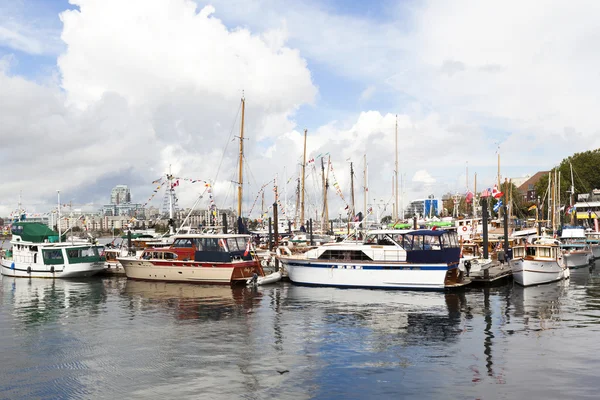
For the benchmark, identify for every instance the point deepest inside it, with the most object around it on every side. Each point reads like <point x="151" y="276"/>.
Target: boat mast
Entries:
<point x="326" y="216"/>
<point x="171" y="202"/>
<point x="549" y="197"/>
<point x="366" y="189"/>
<point x="302" y="188"/>
<point x="396" y="175"/>
<point x="352" y="210"/>
<point x="475" y="196"/>
<point x="58" y="222"/>
<point x="572" y="195"/>
<point x="297" y="202"/>
<point x="467" y="179"/>
<point x="241" y="161"/>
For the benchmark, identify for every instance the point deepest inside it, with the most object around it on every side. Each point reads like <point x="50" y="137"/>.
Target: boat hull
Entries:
<point x="536" y="272"/>
<point x="357" y="274"/>
<point x="595" y="251"/>
<point x="62" y="271"/>
<point x="577" y="259"/>
<point x="221" y="274"/>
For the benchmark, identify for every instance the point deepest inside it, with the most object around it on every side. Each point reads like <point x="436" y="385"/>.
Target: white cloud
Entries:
<point x="160" y="87"/>
<point x="422" y="176"/>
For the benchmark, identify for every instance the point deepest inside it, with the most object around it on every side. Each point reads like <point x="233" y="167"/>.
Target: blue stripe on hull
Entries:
<point x="419" y="289"/>
<point x="372" y="267"/>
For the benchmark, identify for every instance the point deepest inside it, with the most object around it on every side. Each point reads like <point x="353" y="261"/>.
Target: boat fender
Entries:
<point x="52" y="269"/>
<point x="28" y="270"/>
<point x="285" y="249"/>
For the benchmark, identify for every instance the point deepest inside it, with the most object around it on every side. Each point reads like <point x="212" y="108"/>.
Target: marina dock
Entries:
<point x="495" y="273"/>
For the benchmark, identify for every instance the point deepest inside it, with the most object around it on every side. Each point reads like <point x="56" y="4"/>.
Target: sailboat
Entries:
<point x="201" y="258"/>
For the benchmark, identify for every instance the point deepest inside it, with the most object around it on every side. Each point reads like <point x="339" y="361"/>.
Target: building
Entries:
<point x="424" y="208"/>
<point x="527" y="188"/>
<point x="120" y="194"/>
<point x="121" y="205"/>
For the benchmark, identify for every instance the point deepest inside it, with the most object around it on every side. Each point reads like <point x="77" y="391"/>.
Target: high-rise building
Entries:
<point x="120" y="194"/>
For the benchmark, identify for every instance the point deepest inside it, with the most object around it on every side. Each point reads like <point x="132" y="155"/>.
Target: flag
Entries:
<point x="485" y="193"/>
<point x="533" y="207"/>
<point x="247" y="247"/>
<point x="498" y="205"/>
<point x="469" y="196"/>
<point x="495" y="193"/>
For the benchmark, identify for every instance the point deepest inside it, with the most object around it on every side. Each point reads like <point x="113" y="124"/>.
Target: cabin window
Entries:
<point x="518" y="251"/>
<point x="211" y="244"/>
<point x="183" y="243"/>
<point x="169" y="256"/>
<point x="242" y="242"/>
<point x="53" y="256"/>
<point x="344" y="255"/>
<point x="232" y="244"/>
<point x="543" y="252"/>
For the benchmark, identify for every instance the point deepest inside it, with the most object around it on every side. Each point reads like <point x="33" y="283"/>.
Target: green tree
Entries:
<point x="585" y="176"/>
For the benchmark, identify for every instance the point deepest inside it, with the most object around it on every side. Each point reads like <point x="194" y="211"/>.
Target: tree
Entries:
<point x="387" y="219"/>
<point x="585" y="175"/>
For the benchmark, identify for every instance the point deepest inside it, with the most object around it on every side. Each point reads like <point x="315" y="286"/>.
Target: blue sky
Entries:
<point x="463" y="77"/>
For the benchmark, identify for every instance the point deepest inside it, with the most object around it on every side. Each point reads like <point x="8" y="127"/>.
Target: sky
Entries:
<point x="95" y="93"/>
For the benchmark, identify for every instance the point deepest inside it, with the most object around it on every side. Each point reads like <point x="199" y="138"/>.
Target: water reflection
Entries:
<point x="39" y="301"/>
<point x="190" y="301"/>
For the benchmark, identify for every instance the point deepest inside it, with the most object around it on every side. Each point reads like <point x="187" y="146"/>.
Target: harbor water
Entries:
<point x="110" y="338"/>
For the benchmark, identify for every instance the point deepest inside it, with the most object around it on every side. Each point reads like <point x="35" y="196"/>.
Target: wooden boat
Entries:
<point x="199" y="258"/>
<point x="394" y="259"/>
<point x="542" y="261"/>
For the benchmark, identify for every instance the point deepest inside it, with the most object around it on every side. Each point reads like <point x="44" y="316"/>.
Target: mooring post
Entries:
<point x="270" y="236"/>
<point x="129" y="250"/>
<point x="312" y="240"/>
<point x="415" y="222"/>
<point x="224" y="223"/>
<point x="484" y="214"/>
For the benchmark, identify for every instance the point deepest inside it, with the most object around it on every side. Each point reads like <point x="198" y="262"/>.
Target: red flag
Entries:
<point x="247" y="247"/>
<point x="469" y="196"/>
<point x="495" y="193"/>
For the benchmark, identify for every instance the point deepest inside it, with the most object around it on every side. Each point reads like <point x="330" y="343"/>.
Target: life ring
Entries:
<point x="464" y="228"/>
<point x="285" y="249"/>
<point x="263" y="263"/>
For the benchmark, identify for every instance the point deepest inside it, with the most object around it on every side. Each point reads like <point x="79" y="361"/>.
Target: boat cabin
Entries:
<point x="204" y="248"/>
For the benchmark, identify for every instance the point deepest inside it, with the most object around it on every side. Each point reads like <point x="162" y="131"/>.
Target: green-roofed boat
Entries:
<point x="37" y="252"/>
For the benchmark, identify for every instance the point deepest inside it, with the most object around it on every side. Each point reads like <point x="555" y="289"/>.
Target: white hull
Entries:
<point x="595" y="251"/>
<point x="266" y="280"/>
<point x="357" y="274"/>
<point x="577" y="259"/>
<point x="536" y="272"/>
<point x="79" y="270"/>
<point x="113" y="268"/>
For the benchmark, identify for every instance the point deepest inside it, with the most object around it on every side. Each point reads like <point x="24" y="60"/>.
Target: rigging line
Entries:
<point x="228" y="141"/>
<point x="583" y="185"/>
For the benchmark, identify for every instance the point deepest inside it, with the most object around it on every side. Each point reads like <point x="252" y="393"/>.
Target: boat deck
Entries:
<point x="492" y="274"/>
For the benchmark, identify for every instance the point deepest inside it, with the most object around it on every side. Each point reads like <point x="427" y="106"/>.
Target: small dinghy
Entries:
<point x="264" y="280"/>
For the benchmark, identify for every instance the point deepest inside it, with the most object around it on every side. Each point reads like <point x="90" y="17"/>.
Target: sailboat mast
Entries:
<point x="326" y="216"/>
<point x="302" y="188"/>
<point x="475" y="196"/>
<point x="572" y="196"/>
<point x="171" y="202"/>
<point x="352" y="211"/>
<point x="324" y="186"/>
<point x="57" y="222"/>
<point x="467" y="179"/>
<point x="297" y="202"/>
<point x="241" y="161"/>
<point x="396" y="175"/>
<point x="366" y="189"/>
